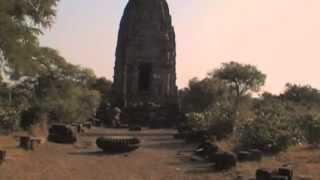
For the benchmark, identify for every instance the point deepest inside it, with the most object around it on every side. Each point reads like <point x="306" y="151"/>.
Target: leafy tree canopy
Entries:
<point x="301" y="94"/>
<point x="21" y="22"/>
<point x="242" y="78"/>
<point x="201" y="94"/>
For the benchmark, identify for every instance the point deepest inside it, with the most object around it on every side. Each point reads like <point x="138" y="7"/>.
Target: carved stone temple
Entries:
<point x="145" y="67"/>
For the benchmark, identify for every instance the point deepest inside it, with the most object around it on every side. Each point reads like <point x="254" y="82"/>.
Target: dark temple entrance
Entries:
<point x="145" y="73"/>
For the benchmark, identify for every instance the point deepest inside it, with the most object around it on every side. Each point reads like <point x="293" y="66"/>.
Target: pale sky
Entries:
<point x="280" y="37"/>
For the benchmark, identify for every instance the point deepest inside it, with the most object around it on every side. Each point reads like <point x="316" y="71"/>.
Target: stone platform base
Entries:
<point x="152" y="116"/>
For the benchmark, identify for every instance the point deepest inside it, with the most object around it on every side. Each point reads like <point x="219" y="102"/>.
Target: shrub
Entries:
<point x="9" y="119"/>
<point x="201" y="94"/>
<point x="270" y="130"/>
<point x="222" y="121"/>
<point x="197" y="121"/>
<point x="218" y="122"/>
<point x="263" y="136"/>
<point x="310" y="126"/>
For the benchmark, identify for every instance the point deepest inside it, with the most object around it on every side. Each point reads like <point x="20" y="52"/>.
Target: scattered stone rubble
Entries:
<point x="282" y="173"/>
<point x="60" y="133"/>
<point x="250" y="155"/>
<point x="212" y="153"/>
<point x="227" y="160"/>
<point x="30" y="142"/>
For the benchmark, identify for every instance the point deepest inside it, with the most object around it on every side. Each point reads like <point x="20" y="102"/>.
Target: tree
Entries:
<point x="21" y="22"/>
<point x="301" y="94"/>
<point x="43" y="84"/>
<point x="201" y="94"/>
<point x="62" y="92"/>
<point x="103" y="86"/>
<point x="242" y="78"/>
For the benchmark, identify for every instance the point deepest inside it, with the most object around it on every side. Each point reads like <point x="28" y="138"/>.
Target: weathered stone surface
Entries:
<point x="264" y="174"/>
<point x="283" y="173"/>
<point x="287" y="172"/>
<point x="2" y="156"/>
<point x="223" y="160"/>
<point x="206" y="148"/>
<point x="25" y="142"/>
<point x="145" y="67"/>
<point x="250" y="155"/>
<point x="118" y="144"/>
<point x="60" y="133"/>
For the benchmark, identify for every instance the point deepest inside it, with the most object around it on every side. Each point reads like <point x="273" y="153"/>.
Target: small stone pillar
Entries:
<point x="34" y="143"/>
<point x="2" y="156"/>
<point x="25" y="142"/>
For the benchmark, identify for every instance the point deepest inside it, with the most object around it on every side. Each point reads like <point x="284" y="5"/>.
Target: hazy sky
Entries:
<point x="280" y="37"/>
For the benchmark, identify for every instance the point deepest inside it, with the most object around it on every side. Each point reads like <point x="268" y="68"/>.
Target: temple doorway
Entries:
<point x="145" y="74"/>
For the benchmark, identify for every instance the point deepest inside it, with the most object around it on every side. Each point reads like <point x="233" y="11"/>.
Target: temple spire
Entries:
<point x="145" y="67"/>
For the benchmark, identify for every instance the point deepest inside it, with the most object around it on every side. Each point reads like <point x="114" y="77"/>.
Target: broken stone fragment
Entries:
<point x="283" y="173"/>
<point x="223" y="160"/>
<point x="2" y="156"/>
<point x="25" y="142"/>
<point x="250" y="155"/>
<point x="206" y="149"/>
<point x="61" y="133"/>
<point x="264" y="174"/>
<point x="287" y="172"/>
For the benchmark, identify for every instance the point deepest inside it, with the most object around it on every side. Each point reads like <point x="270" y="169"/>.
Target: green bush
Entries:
<point x="9" y="118"/>
<point x="32" y="116"/>
<point x="310" y="126"/>
<point x="197" y="121"/>
<point x="263" y="136"/>
<point x="270" y="131"/>
<point x="222" y="122"/>
<point x="218" y="122"/>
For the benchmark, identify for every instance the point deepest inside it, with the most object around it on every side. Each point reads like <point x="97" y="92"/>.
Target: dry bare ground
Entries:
<point x="160" y="158"/>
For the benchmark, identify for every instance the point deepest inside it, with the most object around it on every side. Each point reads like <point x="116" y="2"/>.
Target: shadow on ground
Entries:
<point x="97" y="153"/>
<point x="168" y="145"/>
<point x="192" y="164"/>
<point x="140" y="134"/>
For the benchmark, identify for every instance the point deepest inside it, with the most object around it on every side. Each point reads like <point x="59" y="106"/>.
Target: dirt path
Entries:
<point x="160" y="158"/>
<point x="157" y="159"/>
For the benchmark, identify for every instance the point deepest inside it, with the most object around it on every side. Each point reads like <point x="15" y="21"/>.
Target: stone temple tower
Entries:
<point x="145" y="67"/>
